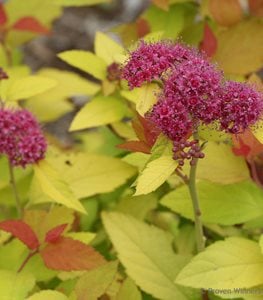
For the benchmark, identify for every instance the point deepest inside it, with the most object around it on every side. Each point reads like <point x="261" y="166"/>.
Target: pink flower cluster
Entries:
<point x="21" y="138"/>
<point x="194" y="92"/>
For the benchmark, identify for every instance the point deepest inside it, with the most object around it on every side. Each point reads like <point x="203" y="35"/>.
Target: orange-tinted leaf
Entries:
<point x="30" y="24"/>
<point x="163" y="4"/>
<point x="143" y="27"/>
<point x="209" y="42"/>
<point x="256" y="7"/>
<point x="67" y="254"/>
<point x="136" y="146"/>
<point x="22" y="231"/>
<point x="3" y="16"/>
<point x="54" y="234"/>
<point x="247" y="145"/>
<point x="226" y="12"/>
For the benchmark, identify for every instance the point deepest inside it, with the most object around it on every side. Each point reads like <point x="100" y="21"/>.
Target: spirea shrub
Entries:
<point x="194" y="92"/>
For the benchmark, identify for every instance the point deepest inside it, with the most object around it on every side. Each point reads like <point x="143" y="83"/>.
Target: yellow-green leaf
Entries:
<point x="90" y="174"/>
<point x="80" y="2"/>
<point x="54" y="103"/>
<point x="93" y="284"/>
<point x="155" y="174"/>
<point x="50" y="184"/>
<point x="229" y="264"/>
<point x="129" y="291"/>
<point x="100" y="111"/>
<point x="15" y="286"/>
<point x="222" y="204"/>
<point x="106" y="48"/>
<point x="147" y="255"/>
<point x="85" y="61"/>
<point x="48" y="294"/>
<point x="144" y="97"/>
<point x="238" y="53"/>
<point x="84" y="237"/>
<point x="29" y="86"/>
<point x="220" y="165"/>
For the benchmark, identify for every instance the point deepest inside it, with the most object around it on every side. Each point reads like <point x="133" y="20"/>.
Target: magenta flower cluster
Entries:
<point x="21" y="138"/>
<point x="194" y="92"/>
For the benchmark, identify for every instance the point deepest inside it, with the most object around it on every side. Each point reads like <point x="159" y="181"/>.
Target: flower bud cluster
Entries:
<point x="21" y="139"/>
<point x="194" y="92"/>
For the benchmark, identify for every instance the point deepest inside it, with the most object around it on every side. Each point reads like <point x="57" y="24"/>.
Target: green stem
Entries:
<point x="15" y="192"/>
<point x="200" y="240"/>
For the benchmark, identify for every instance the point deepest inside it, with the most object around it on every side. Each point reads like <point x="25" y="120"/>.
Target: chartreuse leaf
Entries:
<point x="144" y="97"/>
<point x="258" y="131"/>
<point x="15" y="252"/>
<point x="220" y="165"/>
<point x="106" y="48"/>
<point x="147" y="255"/>
<point x="54" y="103"/>
<point x="246" y="53"/>
<point x="93" y="284"/>
<point x="48" y="183"/>
<point x="100" y="111"/>
<point x="138" y="206"/>
<point x="43" y="11"/>
<point x="84" y="237"/>
<point x="80" y="2"/>
<point x="29" y="86"/>
<point x="171" y="23"/>
<point x="261" y="243"/>
<point x="48" y="294"/>
<point x="90" y="174"/>
<point x="229" y="264"/>
<point x="155" y="174"/>
<point x="15" y="286"/>
<point x="129" y="291"/>
<point x="85" y="61"/>
<point x="222" y="204"/>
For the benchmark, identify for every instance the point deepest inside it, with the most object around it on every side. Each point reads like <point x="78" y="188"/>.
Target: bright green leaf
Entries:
<point x="229" y="264"/>
<point x="147" y="255"/>
<point x="49" y="183"/>
<point x="221" y="204"/>
<point x="155" y="174"/>
<point x="84" y="237"/>
<point x="106" y="48"/>
<point x="48" y="294"/>
<point x="100" y="111"/>
<point x="85" y="61"/>
<point x="15" y="286"/>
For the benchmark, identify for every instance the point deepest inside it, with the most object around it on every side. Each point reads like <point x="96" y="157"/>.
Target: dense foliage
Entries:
<point x="159" y="195"/>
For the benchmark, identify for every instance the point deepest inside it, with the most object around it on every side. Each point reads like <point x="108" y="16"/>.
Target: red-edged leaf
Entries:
<point x="147" y="134"/>
<point x="209" y="42"/>
<point x="247" y="145"/>
<point x="67" y="254"/>
<point x="136" y="146"/>
<point x="22" y="231"/>
<point x="256" y="7"/>
<point x="30" y="24"/>
<point x="54" y="234"/>
<point x="143" y="27"/>
<point x="3" y="16"/>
